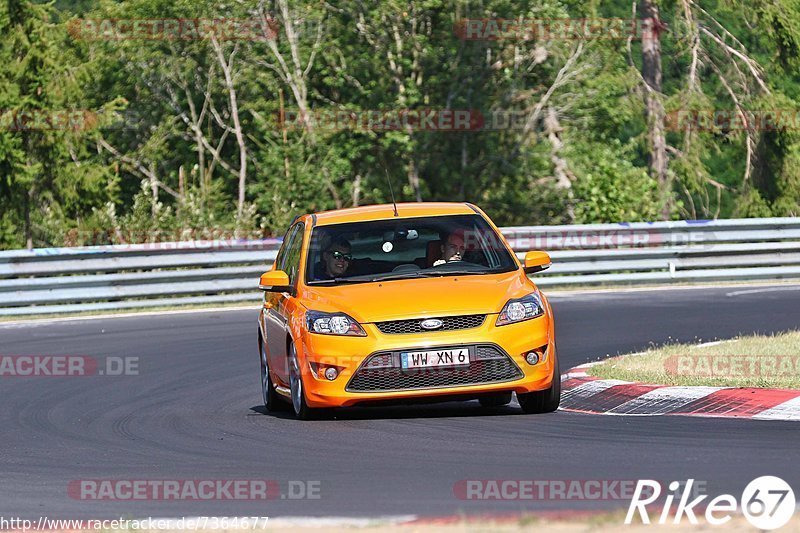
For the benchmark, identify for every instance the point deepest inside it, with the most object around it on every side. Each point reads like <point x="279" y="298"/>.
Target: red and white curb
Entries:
<point x="588" y="394"/>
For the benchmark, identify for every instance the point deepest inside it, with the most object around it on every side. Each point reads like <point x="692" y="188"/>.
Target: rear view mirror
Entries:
<point x="536" y="261"/>
<point x="274" y="281"/>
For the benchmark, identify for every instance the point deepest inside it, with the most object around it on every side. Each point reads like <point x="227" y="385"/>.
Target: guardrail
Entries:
<point x="97" y="278"/>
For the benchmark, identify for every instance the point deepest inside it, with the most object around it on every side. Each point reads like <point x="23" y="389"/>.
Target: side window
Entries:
<point x="291" y="263"/>
<point x="280" y="259"/>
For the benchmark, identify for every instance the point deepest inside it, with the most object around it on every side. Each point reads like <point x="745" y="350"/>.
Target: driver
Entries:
<point x="453" y="248"/>
<point x="336" y="260"/>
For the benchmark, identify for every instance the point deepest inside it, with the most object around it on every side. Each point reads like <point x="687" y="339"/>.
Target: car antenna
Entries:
<point x="394" y="203"/>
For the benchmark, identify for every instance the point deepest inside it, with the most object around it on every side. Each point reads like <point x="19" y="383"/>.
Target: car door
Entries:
<point x="277" y="305"/>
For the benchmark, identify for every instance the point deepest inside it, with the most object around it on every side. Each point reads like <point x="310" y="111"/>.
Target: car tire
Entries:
<point x="269" y="396"/>
<point x="545" y="401"/>
<point x="496" y="400"/>
<point x="301" y="409"/>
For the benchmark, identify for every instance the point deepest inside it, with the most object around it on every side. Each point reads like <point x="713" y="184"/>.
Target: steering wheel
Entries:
<point x="406" y="267"/>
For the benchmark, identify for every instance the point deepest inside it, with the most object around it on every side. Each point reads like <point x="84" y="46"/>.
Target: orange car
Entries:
<point x="405" y="303"/>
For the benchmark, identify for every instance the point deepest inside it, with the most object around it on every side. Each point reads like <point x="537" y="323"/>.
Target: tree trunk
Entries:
<point x="560" y="167"/>
<point x="181" y="185"/>
<point x="651" y="73"/>
<point x="553" y="128"/>
<point x="357" y="190"/>
<point x="153" y="192"/>
<point x="28" y="230"/>
<point x="242" y="151"/>
<point x="201" y="164"/>
<point x="464" y="162"/>
<point x="227" y="68"/>
<point x="285" y="138"/>
<point x="413" y="178"/>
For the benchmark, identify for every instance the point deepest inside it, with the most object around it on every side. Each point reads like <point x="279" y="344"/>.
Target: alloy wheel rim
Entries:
<point x="264" y="378"/>
<point x="295" y="383"/>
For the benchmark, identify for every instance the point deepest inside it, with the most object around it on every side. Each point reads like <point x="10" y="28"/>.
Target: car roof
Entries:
<point x="386" y="211"/>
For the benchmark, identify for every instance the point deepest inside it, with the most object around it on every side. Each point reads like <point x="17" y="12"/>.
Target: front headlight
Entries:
<point x="520" y="309"/>
<point x="333" y="324"/>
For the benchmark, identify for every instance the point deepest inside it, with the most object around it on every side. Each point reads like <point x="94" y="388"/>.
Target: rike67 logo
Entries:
<point x="767" y="502"/>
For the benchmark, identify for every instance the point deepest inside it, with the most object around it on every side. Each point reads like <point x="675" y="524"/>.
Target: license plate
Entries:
<point x="435" y="358"/>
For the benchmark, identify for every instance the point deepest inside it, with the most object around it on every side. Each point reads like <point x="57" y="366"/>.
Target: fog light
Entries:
<point x="532" y="358"/>
<point x="331" y="373"/>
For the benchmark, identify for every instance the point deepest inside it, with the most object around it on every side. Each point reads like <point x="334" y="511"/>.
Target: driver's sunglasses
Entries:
<point x="340" y="255"/>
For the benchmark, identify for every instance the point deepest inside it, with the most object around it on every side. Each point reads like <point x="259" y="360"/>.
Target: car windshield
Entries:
<point x="404" y="248"/>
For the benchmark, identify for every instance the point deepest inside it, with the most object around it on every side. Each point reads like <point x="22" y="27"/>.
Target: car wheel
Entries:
<point x="496" y="400"/>
<point x="301" y="410"/>
<point x="268" y="394"/>
<point x="545" y="401"/>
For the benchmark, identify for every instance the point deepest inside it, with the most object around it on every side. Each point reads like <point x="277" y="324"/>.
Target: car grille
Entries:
<point x="488" y="364"/>
<point x="449" y="323"/>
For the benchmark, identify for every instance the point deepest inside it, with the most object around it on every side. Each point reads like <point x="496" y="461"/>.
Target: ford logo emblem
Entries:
<point x="431" y="323"/>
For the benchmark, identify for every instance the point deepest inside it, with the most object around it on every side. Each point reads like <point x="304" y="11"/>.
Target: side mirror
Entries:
<point x="536" y="261"/>
<point x="274" y="281"/>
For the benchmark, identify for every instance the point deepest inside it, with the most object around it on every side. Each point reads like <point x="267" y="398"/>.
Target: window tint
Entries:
<point x="280" y="259"/>
<point x="427" y="245"/>
<point x="291" y="264"/>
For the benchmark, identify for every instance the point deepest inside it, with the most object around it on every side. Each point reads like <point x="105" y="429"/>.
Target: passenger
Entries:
<point x="336" y="260"/>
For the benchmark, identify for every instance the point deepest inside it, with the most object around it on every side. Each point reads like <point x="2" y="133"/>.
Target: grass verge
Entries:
<point x="752" y="361"/>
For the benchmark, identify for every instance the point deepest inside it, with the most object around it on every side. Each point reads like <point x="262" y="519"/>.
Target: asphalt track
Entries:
<point x="193" y="413"/>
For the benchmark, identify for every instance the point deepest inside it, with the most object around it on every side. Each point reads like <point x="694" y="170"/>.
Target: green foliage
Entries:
<point x="781" y="21"/>
<point x="610" y="188"/>
<point x="751" y="204"/>
<point x="163" y="158"/>
<point x="47" y="176"/>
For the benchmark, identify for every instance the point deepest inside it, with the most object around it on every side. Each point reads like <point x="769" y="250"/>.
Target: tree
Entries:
<point x="45" y="178"/>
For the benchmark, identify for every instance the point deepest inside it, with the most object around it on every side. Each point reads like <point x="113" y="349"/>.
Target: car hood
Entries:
<point x="423" y="297"/>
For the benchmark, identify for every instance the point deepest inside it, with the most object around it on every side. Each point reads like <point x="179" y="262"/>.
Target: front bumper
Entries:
<point x="348" y="354"/>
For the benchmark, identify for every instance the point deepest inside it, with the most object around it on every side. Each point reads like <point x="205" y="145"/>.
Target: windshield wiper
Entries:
<point x="372" y="278"/>
<point x="462" y="272"/>
<point x="404" y="275"/>
<point x="335" y="281"/>
<point x="437" y="274"/>
<point x="367" y="278"/>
